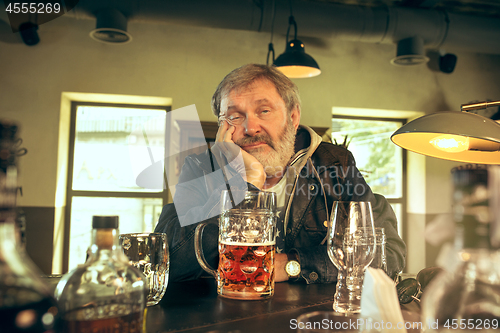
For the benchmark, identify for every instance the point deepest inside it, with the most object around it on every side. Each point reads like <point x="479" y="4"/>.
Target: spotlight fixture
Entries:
<point x="456" y="136"/>
<point x="111" y="27"/>
<point x="447" y="63"/>
<point x="295" y="62"/>
<point x="28" y="31"/>
<point x="410" y="51"/>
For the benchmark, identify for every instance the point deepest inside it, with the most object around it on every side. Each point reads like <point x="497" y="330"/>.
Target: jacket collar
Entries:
<point x="306" y="143"/>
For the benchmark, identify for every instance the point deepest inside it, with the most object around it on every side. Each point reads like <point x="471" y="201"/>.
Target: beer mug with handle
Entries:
<point x="247" y="241"/>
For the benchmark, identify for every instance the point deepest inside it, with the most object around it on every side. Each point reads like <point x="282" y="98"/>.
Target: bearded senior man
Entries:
<point x="259" y="113"/>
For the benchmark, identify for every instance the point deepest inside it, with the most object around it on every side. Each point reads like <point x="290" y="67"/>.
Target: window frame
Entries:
<point x="70" y="193"/>
<point x="403" y="199"/>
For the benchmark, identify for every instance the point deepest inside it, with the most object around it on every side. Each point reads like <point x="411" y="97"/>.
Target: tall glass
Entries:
<point x="380" y="259"/>
<point x="351" y="248"/>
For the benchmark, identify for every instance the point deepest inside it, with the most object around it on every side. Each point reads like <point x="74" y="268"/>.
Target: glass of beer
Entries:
<point x="247" y="241"/>
<point x="149" y="253"/>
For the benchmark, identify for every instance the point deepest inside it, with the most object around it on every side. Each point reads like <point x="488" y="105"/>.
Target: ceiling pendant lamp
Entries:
<point x="456" y="136"/>
<point x="111" y="27"/>
<point x="295" y="62"/>
<point x="410" y="51"/>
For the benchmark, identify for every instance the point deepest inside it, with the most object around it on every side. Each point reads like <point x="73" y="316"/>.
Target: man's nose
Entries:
<point x="252" y="125"/>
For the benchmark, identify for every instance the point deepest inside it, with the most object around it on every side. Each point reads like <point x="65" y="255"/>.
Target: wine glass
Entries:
<point x="351" y="248"/>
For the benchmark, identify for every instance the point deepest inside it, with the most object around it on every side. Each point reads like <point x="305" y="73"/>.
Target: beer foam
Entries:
<point x="247" y="244"/>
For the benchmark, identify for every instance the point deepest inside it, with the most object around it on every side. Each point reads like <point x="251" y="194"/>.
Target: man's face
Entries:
<point x="267" y="130"/>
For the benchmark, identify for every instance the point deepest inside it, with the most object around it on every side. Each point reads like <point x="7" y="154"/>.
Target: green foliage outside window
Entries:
<point x="378" y="159"/>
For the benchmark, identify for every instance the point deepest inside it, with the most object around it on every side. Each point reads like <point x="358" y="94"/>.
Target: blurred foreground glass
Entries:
<point x="467" y="294"/>
<point x="149" y="253"/>
<point x="26" y="302"/>
<point x="247" y="241"/>
<point x="351" y="248"/>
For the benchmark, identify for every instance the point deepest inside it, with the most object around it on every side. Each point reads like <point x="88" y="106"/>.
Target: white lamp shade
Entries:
<point x="463" y="137"/>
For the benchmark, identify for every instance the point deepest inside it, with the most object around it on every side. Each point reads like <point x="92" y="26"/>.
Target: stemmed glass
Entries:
<point x="351" y="248"/>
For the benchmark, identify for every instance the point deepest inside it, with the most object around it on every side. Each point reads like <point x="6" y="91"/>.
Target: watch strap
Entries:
<point x="292" y="256"/>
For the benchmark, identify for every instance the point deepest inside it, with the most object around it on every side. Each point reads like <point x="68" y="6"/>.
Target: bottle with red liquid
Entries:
<point x="26" y="302"/>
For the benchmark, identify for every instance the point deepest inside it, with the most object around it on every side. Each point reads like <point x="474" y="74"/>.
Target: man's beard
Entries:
<point x="275" y="161"/>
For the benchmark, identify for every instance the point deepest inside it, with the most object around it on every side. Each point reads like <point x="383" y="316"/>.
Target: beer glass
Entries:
<point x="247" y="240"/>
<point x="351" y="248"/>
<point x="149" y="253"/>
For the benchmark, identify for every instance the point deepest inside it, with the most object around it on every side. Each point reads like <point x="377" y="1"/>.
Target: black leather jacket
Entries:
<point x="319" y="174"/>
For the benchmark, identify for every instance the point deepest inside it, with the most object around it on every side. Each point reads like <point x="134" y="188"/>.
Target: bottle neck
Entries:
<point x="104" y="243"/>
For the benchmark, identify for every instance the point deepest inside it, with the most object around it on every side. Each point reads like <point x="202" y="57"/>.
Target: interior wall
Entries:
<point x="187" y="63"/>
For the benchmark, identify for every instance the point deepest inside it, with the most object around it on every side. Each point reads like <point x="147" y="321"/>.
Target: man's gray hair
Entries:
<point x="245" y="75"/>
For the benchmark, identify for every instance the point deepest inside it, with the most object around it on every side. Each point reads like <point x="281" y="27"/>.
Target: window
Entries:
<point x="110" y="145"/>
<point x="381" y="162"/>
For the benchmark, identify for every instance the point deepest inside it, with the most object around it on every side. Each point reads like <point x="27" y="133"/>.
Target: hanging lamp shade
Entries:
<point x="111" y="27"/>
<point x="451" y="135"/>
<point x="410" y="51"/>
<point x="295" y="62"/>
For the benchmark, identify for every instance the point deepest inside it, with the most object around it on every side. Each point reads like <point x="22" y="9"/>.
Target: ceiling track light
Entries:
<point x="111" y="27"/>
<point x="295" y="62"/>
<point x="456" y="136"/>
<point x="28" y="31"/>
<point x="410" y="51"/>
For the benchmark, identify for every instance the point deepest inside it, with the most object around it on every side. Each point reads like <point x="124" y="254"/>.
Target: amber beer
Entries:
<point x="246" y="271"/>
<point x="247" y="245"/>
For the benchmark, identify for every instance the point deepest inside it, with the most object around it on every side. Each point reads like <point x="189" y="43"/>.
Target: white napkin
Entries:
<point x="379" y="302"/>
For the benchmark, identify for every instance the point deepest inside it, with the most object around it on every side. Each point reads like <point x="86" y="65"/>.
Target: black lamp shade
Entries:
<point x="295" y="62"/>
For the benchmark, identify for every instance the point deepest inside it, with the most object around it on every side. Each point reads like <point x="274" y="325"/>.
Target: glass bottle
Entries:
<point x="26" y="303"/>
<point x="467" y="298"/>
<point x="106" y="294"/>
<point x="380" y="259"/>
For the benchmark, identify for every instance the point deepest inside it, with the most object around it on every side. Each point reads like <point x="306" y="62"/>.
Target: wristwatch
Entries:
<point x="292" y="267"/>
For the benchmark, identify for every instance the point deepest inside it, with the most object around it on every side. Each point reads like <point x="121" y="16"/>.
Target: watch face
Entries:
<point x="292" y="268"/>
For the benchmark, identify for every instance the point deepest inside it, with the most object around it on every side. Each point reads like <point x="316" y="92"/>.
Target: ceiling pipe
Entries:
<point x="387" y="25"/>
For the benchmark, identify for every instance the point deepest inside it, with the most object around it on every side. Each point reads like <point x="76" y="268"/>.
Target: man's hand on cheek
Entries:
<point x="244" y="163"/>
<point x="254" y="170"/>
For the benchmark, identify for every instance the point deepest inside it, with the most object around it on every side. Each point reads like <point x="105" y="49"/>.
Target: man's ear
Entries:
<point x="295" y="116"/>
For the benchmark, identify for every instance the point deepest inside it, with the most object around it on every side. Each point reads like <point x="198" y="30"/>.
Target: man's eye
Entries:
<point x="234" y="118"/>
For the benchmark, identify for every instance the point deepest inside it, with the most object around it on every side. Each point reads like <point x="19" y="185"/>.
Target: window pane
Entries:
<point x="136" y="215"/>
<point x="113" y="145"/>
<point x="379" y="160"/>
